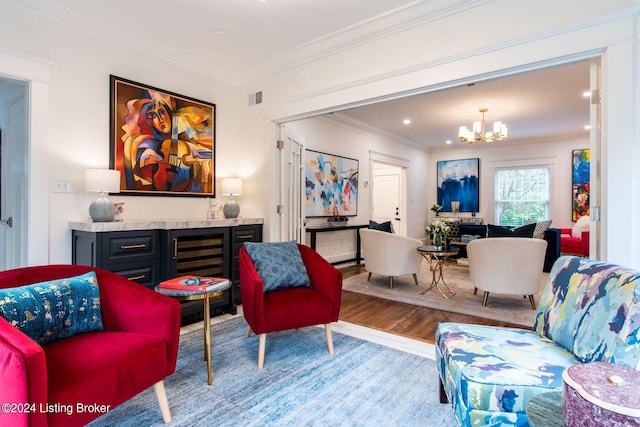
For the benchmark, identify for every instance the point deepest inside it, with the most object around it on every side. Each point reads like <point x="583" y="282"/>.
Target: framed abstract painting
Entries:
<point x="162" y="143"/>
<point x="580" y="175"/>
<point x="331" y="185"/>
<point x="459" y="181"/>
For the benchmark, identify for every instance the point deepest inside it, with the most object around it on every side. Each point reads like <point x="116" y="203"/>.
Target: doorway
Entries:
<point x="34" y="75"/>
<point x="388" y="196"/>
<point x="13" y="173"/>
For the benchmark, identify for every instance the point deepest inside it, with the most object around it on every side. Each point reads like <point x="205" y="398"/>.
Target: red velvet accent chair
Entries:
<point x="574" y="246"/>
<point x="71" y="382"/>
<point x="291" y="308"/>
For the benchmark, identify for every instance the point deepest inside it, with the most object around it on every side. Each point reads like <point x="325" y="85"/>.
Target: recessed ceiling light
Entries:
<point x="587" y="94"/>
<point x="406" y="121"/>
<point x="448" y="141"/>
<point x="587" y="127"/>
<point x="218" y="31"/>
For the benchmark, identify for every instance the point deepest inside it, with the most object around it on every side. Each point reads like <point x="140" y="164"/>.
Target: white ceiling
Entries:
<point x="535" y="106"/>
<point x="262" y="37"/>
<point x="259" y="36"/>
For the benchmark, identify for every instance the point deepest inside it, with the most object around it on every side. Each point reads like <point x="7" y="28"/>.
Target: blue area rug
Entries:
<point x="362" y="384"/>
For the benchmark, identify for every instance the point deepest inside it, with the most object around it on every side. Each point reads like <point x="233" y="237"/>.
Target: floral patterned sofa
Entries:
<point x="589" y="311"/>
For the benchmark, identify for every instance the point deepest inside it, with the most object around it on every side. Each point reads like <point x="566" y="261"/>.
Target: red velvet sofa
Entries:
<point x="74" y="380"/>
<point x="572" y="245"/>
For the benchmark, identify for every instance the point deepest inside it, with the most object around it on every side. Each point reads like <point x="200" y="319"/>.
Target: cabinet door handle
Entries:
<point x="138" y="246"/>
<point x="175" y="247"/>
<point x="140" y="277"/>
<point x="245" y="236"/>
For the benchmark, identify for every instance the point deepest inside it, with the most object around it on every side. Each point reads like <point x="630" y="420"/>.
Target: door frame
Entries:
<point x="13" y="213"/>
<point x="397" y="220"/>
<point x="36" y="73"/>
<point x="403" y="164"/>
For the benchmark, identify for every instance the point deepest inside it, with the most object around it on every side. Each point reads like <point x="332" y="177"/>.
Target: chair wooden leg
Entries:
<point x="415" y="279"/>
<point x="443" y="393"/>
<point x="261" y="347"/>
<point x="162" y="401"/>
<point x="475" y="291"/>
<point x="532" y="301"/>
<point x="390" y="282"/>
<point x="369" y="277"/>
<point x="484" y="299"/>
<point x="248" y="334"/>
<point x="327" y="330"/>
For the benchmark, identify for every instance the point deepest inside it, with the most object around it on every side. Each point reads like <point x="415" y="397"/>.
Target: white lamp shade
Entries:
<point x="102" y="180"/>
<point x="231" y="186"/>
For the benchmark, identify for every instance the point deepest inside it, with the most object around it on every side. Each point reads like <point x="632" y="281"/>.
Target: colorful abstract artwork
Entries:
<point x="580" y="172"/>
<point x="161" y="142"/>
<point x="458" y="181"/>
<point x="331" y="185"/>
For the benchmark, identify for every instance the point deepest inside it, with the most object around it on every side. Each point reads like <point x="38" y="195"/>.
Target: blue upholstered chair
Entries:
<point x="589" y="311"/>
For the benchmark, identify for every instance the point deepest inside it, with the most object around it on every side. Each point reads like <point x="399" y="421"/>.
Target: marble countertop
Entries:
<point x="160" y="224"/>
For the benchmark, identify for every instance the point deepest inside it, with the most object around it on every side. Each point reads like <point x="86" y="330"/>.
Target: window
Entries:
<point x="521" y="195"/>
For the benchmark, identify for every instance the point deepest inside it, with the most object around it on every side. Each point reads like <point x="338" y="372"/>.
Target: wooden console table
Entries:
<point x="313" y="231"/>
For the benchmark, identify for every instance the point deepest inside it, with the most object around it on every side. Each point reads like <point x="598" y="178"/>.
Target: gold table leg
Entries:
<point x="207" y="338"/>
<point x="435" y="265"/>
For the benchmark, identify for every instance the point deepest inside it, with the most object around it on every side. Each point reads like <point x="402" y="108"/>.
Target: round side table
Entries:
<point x="437" y="256"/>
<point x="196" y="296"/>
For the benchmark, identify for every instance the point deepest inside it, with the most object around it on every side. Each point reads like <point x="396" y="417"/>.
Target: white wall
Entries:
<point x="78" y="131"/>
<point x="334" y="137"/>
<point x="499" y="154"/>
<point x="327" y="135"/>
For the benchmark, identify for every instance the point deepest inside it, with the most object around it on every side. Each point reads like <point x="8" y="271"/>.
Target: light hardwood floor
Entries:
<point x="398" y="318"/>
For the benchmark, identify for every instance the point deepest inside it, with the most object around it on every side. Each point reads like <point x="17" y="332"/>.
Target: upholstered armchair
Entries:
<point x="390" y="254"/>
<point x="575" y="240"/>
<point x="589" y="311"/>
<point x="133" y="346"/>
<point x="295" y="301"/>
<point x="507" y="265"/>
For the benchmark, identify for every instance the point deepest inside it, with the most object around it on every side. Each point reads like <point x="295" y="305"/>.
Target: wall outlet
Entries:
<point x="59" y="185"/>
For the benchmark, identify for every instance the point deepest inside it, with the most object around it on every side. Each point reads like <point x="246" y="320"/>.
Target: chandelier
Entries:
<point x="478" y="133"/>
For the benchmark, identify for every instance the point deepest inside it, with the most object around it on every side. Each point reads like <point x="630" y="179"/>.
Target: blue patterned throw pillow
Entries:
<point x="279" y="265"/>
<point x="53" y="310"/>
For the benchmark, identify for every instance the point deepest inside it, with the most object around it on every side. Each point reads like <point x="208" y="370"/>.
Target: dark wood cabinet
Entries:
<point x="239" y="235"/>
<point x="148" y="257"/>
<point x="132" y="254"/>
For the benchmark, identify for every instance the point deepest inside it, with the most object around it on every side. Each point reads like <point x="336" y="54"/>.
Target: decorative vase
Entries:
<point x="437" y="240"/>
<point x="215" y="209"/>
<point x="437" y="213"/>
<point x="119" y="211"/>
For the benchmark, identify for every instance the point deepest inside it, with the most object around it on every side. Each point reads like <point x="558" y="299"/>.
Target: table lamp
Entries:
<point x="103" y="181"/>
<point x="231" y="187"/>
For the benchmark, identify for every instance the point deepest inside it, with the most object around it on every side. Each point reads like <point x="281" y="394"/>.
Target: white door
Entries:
<point x="291" y="204"/>
<point x="13" y="197"/>
<point x="387" y="195"/>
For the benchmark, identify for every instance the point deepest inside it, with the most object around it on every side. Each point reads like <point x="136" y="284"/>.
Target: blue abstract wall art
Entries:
<point x="458" y="180"/>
